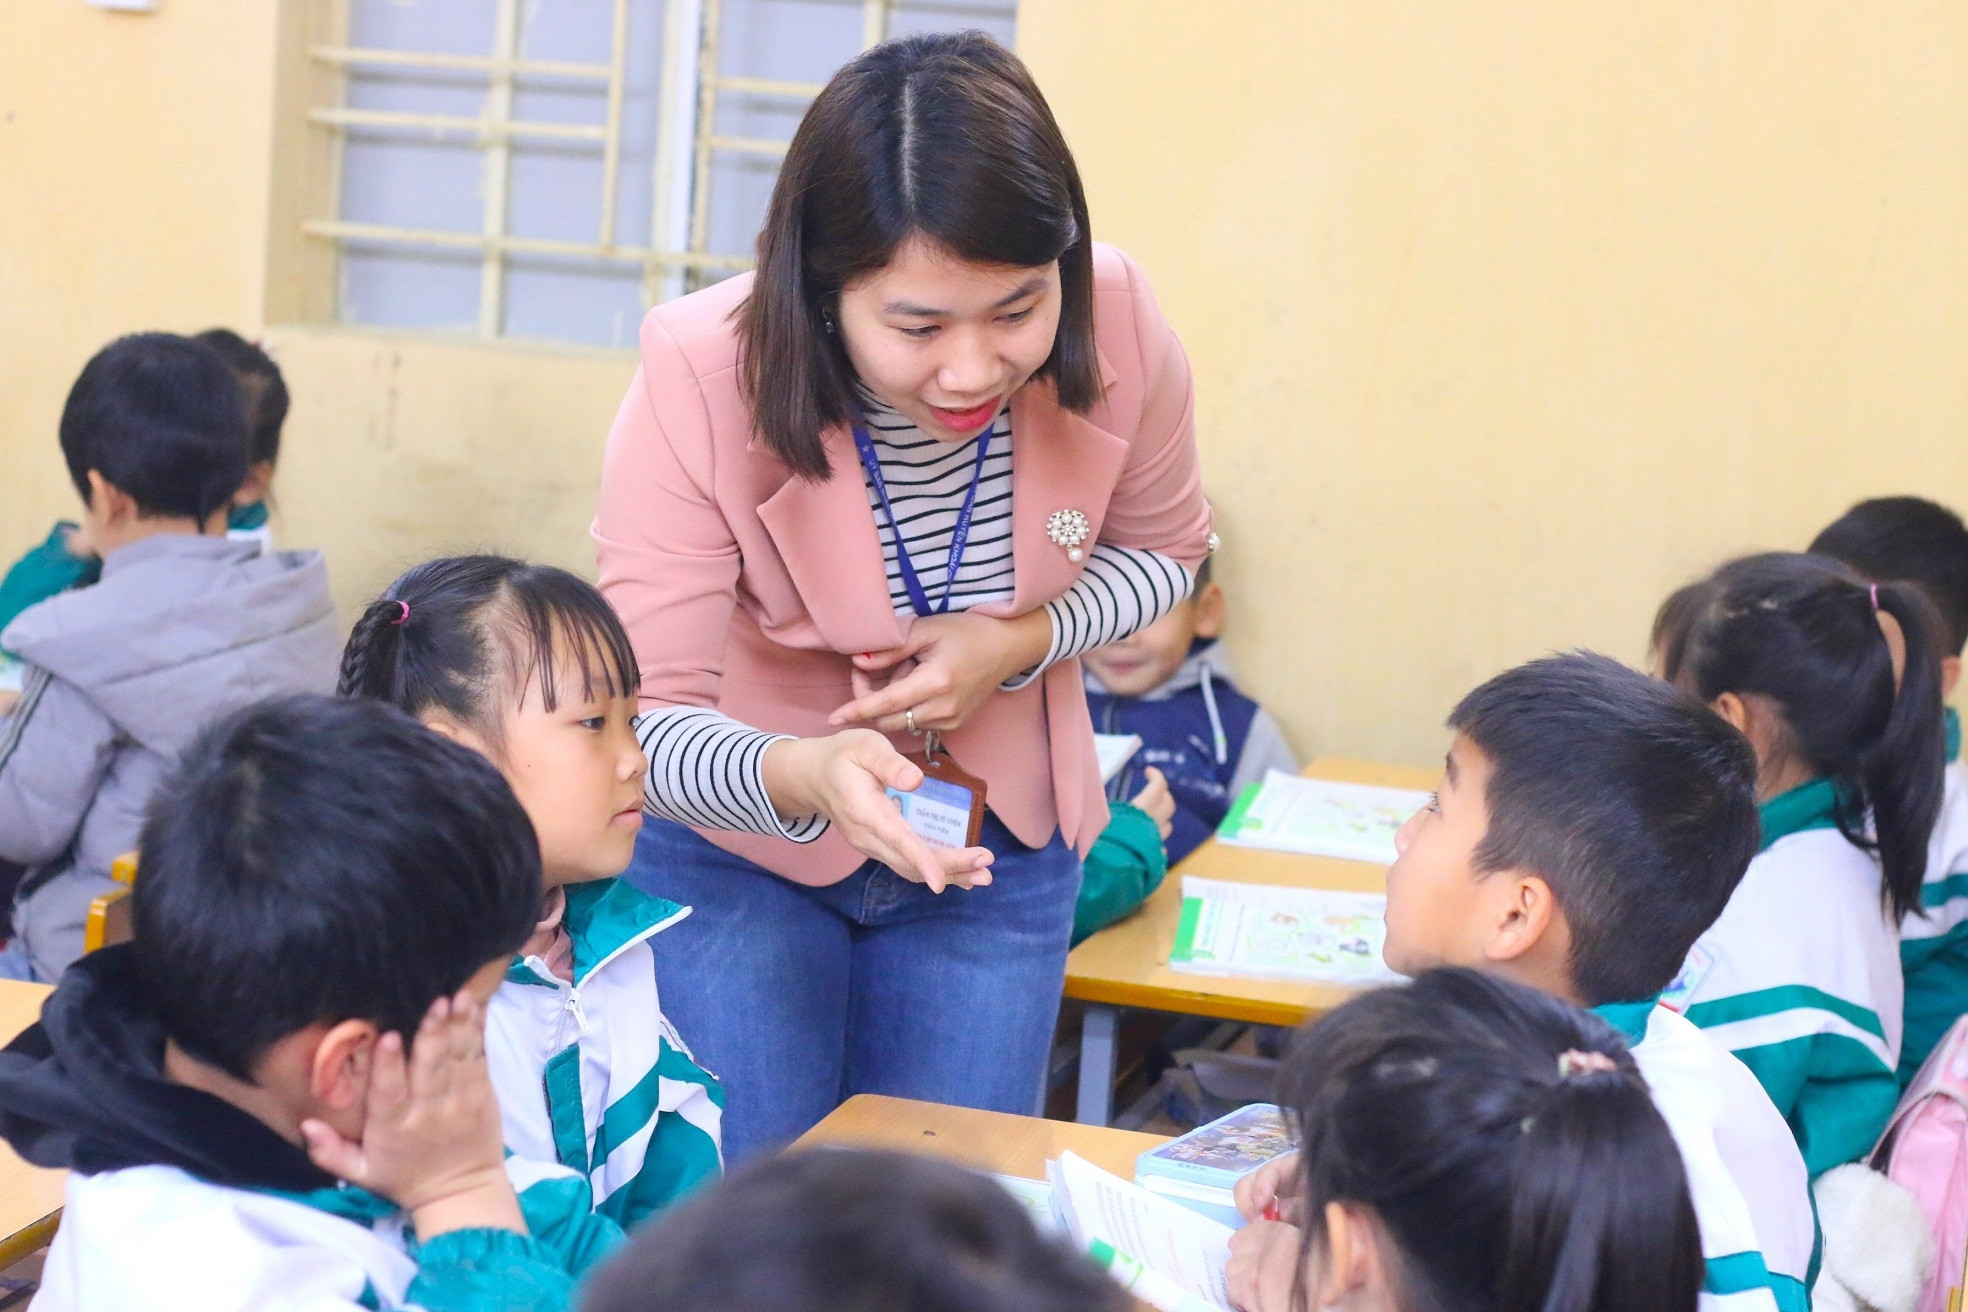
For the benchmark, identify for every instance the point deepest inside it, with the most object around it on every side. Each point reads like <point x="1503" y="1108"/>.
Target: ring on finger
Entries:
<point x="909" y="718"/>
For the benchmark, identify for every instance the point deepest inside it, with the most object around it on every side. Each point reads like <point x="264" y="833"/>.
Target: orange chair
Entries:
<point x="109" y="915"/>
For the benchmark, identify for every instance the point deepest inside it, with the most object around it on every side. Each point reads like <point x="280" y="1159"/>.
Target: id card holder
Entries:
<point x="947" y="807"/>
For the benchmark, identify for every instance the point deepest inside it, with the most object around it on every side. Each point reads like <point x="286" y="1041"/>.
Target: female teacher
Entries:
<point x="886" y="490"/>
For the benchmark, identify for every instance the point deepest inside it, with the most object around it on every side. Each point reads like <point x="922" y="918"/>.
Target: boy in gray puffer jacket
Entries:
<point x="185" y="626"/>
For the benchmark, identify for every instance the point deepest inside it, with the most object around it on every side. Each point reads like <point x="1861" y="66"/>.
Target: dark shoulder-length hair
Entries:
<point x="942" y="135"/>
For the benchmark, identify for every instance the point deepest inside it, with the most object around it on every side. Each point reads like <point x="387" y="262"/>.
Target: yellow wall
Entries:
<point x="137" y="158"/>
<point x="1508" y="316"/>
<point x="133" y="185"/>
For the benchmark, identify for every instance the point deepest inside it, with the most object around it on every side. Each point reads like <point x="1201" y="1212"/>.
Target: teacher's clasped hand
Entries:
<point x="861" y="512"/>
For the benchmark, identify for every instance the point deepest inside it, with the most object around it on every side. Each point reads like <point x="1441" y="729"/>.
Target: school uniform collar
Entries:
<point x="1629" y="1018"/>
<point x="1952" y="719"/>
<point x="347" y="1201"/>
<point x="603" y="917"/>
<point x="1812" y="805"/>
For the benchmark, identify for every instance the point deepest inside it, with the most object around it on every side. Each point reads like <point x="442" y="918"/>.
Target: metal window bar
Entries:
<point x="498" y="171"/>
<point x="496" y="130"/>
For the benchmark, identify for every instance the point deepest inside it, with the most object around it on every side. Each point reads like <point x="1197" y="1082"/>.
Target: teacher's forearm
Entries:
<point x="792" y="771"/>
<point x="1029" y="639"/>
<point x="707" y="770"/>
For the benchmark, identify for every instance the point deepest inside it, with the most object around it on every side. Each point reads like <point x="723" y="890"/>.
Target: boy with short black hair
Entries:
<point x="1590" y="825"/>
<point x="184" y="626"/>
<point x="1912" y="540"/>
<point x="850" y="1230"/>
<point x="237" y="1093"/>
<point x="68" y="559"/>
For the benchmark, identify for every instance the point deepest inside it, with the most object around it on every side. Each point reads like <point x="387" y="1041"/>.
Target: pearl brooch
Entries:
<point x="1069" y="528"/>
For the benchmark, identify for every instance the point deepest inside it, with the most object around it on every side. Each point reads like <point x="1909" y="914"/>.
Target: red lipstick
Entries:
<point x="965" y="421"/>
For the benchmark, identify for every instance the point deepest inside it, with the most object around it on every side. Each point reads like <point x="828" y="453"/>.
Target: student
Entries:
<point x="184" y="627"/>
<point x="264" y="391"/>
<point x="1908" y="540"/>
<point x="1129" y="859"/>
<point x="1590" y="824"/>
<point x="850" y="1230"/>
<point x="1469" y="1143"/>
<point x="1836" y="684"/>
<point x="275" y="1095"/>
<point x="528" y="665"/>
<point x="1170" y="684"/>
<point x="69" y="559"/>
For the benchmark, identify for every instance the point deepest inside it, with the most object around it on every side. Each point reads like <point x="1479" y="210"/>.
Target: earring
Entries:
<point x="827" y="321"/>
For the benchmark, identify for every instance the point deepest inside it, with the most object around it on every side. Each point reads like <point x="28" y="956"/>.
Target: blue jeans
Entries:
<point x="797" y="997"/>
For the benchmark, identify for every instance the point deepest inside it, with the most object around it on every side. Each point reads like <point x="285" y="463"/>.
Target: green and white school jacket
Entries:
<point x="1934" y="935"/>
<point x="591" y="1075"/>
<point x="156" y="1237"/>
<point x="1800" y="978"/>
<point x="1745" y="1175"/>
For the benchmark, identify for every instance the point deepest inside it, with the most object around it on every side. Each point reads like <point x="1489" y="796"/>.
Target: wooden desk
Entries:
<point x="30" y="1198"/>
<point x="1126" y="965"/>
<point x="988" y="1141"/>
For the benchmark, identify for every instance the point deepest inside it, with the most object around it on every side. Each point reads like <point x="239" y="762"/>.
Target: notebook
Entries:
<point x="1114" y="750"/>
<point x="1285" y="933"/>
<point x="1200" y="1170"/>
<point x="1355" y="822"/>
<point x="1166" y="1255"/>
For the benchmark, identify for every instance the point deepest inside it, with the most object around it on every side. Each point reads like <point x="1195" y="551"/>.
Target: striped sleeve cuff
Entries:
<point x="1122" y="591"/>
<point x="707" y="770"/>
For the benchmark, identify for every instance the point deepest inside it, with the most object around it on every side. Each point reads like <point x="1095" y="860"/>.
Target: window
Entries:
<point x="550" y="168"/>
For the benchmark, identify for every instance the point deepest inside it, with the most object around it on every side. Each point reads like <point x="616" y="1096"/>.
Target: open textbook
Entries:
<point x="1288" y="933"/>
<point x="1356" y="822"/>
<point x="1165" y="1254"/>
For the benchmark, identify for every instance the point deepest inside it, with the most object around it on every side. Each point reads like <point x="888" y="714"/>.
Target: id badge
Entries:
<point x="947" y="807"/>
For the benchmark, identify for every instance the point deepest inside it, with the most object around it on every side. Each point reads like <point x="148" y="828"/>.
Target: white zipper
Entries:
<point x="571" y="1004"/>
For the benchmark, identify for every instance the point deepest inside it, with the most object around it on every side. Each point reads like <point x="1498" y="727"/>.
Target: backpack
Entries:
<point x="1925" y="1151"/>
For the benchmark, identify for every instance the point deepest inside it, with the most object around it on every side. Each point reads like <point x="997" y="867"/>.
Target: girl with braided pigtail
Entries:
<point x="528" y="665"/>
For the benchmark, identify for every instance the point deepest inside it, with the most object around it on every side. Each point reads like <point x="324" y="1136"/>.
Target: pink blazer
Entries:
<point x="743" y="587"/>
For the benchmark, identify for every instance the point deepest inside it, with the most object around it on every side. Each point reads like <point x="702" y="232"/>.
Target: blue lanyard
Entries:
<point x="959" y="536"/>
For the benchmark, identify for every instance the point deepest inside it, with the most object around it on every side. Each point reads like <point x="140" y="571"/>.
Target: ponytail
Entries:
<point x="1586" y="1228"/>
<point x="1504" y="1142"/>
<point x="1903" y="774"/>
<point x="1804" y="632"/>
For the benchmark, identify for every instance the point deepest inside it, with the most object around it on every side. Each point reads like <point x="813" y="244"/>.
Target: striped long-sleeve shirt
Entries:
<point x="705" y="769"/>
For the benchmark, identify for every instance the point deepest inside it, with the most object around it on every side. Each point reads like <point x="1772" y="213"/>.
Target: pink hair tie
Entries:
<point x="404" y="618"/>
<point x="1875" y="596"/>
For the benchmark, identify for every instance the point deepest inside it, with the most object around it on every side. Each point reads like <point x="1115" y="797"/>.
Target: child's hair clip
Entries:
<point x="1576" y="1062"/>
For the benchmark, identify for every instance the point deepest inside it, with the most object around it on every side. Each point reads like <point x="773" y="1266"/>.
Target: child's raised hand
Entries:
<point x="78" y="543"/>
<point x="430" y="1133"/>
<point x="1156" y="801"/>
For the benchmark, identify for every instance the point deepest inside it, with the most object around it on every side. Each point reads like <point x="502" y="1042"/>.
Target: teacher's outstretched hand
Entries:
<point x="846" y="777"/>
<point x="861" y="512"/>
